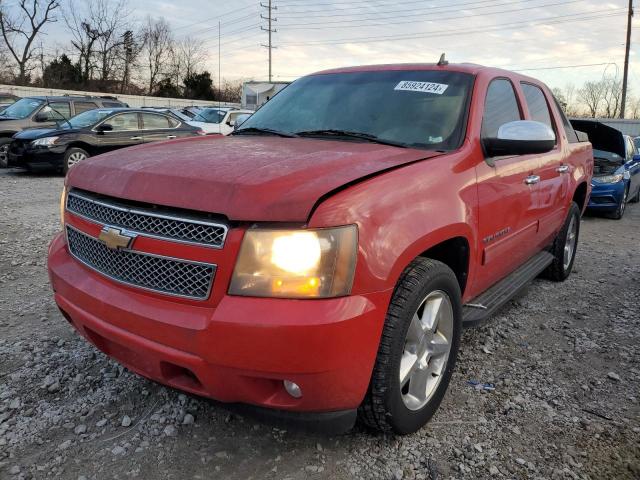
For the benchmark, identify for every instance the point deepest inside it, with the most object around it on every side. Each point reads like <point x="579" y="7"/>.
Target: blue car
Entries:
<point x="616" y="174"/>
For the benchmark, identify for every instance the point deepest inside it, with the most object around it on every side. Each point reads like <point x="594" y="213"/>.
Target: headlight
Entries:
<point x="63" y="202"/>
<point x="44" y="142"/>
<point x="317" y="263"/>
<point x="609" y="178"/>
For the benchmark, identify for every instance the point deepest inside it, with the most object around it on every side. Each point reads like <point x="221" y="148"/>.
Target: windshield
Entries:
<point x="86" y="119"/>
<point x="417" y="108"/>
<point x="210" y="115"/>
<point x="22" y="108"/>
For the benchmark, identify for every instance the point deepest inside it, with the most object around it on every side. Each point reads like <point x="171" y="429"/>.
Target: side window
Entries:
<point x="57" y="110"/>
<point x="568" y="128"/>
<point x="173" y="122"/>
<point x="631" y="148"/>
<point x="500" y="107"/>
<point x="124" y="122"/>
<point x="538" y="108"/>
<point x="152" y="121"/>
<point x="112" y="105"/>
<point x="84" y="106"/>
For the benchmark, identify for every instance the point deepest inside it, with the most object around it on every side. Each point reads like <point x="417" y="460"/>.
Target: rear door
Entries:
<point x="507" y="193"/>
<point x="80" y="107"/>
<point x="554" y="171"/>
<point x="158" y="127"/>
<point x="125" y="132"/>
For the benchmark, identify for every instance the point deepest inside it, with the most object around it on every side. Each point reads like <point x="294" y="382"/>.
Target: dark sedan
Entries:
<point x="91" y="133"/>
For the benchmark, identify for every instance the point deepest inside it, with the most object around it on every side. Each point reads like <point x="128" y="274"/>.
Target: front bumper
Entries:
<point x="241" y="350"/>
<point x="606" y="196"/>
<point x="20" y="156"/>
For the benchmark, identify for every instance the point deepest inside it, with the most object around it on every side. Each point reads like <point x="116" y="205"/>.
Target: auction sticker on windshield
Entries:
<point x="426" y="87"/>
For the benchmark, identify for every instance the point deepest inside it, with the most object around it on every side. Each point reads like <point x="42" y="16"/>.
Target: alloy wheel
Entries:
<point x="426" y="350"/>
<point x="570" y="243"/>
<point x="75" y="157"/>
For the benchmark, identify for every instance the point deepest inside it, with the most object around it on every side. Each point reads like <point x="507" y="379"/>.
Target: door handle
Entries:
<point x="532" y="179"/>
<point x="136" y="138"/>
<point x="562" y="169"/>
<point x="171" y="136"/>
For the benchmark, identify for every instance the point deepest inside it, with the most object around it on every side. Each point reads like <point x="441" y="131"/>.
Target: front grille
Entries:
<point x="151" y="272"/>
<point x="145" y="221"/>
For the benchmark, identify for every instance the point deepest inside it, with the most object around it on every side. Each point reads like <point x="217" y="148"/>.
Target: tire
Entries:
<point x="72" y="156"/>
<point x="4" y="151"/>
<point x="561" y="266"/>
<point x="619" y="213"/>
<point x="388" y="405"/>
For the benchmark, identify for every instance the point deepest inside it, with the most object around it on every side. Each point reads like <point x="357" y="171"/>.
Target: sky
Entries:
<point x="586" y="37"/>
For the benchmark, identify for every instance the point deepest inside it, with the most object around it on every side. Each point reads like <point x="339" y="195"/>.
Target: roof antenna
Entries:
<point x="443" y="61"/>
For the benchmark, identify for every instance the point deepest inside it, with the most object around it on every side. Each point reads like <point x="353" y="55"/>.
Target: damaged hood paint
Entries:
<point x="253" y="178"/>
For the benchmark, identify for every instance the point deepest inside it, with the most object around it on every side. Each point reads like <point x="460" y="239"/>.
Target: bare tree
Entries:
<point x="85" y="35"/>
<point x="612" y="96"/>
<point x="20" y="30"/>
<point x="158" y="43"/>
<point x="592" y="95"/>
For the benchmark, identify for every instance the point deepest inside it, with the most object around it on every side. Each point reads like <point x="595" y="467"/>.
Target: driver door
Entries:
<point x="507" y="194"/>
<point x="50" y="114"/>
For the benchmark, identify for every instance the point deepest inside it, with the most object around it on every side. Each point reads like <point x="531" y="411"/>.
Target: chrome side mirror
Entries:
<point x="521" y="137"/>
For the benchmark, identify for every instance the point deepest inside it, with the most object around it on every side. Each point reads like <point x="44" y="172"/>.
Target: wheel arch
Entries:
<point x="83" y="145"/>
<point x="580" y="195"/>
<point x="451" y="245"/>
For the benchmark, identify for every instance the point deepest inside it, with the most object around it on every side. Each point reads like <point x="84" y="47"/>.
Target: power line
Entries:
<point x="448" y="8"/>
<point x="212" y="18"/>
<point x="342" y="23"/>
<point x="462" y="32"/>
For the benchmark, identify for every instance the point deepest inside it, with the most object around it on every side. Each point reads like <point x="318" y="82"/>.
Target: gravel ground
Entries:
<point x="563" y="359"/>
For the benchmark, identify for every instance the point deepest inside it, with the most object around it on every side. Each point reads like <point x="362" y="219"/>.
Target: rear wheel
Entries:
<point x="417" y="351"/>
<point x="4" y="152"/>
<point x="72" y="157"/>
<point x="564" y="247"/>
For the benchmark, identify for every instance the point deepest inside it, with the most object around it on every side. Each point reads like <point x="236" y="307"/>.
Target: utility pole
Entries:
<point x="626" y="60"/>
<point x="219" y="66"/>
<point x="128" y="54"/>
<point x="269" y="18"/>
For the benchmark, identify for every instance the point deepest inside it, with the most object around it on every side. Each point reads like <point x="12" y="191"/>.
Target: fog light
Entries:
<point x="292" y="389"/>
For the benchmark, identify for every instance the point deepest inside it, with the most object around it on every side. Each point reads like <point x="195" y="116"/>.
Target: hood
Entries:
<point x="602" y="137"/>
<point x="253" y="178"/>
<point x="33" y="133"/>
<point x="11" y="124"/>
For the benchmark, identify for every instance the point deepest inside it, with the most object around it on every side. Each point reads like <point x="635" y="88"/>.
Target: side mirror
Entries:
<point x="231" y="123"/>
<point x="521" y="137"/>
<point x="240" y="120"/>
<point x="40" y="117"/>
<point x="105" y="127"/>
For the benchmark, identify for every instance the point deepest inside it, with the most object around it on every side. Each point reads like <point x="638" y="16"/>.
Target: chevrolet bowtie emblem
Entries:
<point x="115" y="238"/>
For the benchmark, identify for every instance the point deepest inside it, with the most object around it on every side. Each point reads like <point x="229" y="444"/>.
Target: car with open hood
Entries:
<point x="219" y="120"/>
<point x="92" y="133"/>
<point x="616" y="176"/>
<point x="320" y="262"/>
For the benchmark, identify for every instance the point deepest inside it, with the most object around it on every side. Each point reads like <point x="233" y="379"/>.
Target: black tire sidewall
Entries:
<point x="619" y="213"/>
<point x="3" y="142"/>
<point x="403" y="420"/>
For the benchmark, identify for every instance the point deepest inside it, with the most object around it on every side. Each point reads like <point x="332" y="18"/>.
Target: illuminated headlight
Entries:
<point x="44" y="142"/>
<point x="609" y="178"/>
<point x="63" y="202"/>
<point x="317" y="263"/>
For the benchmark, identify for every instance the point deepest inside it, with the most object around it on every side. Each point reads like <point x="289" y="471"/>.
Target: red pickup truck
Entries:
<point x="321" y="262"/>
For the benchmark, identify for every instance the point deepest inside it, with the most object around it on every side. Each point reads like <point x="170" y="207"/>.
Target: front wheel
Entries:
<point x="417" y="351"/>
<point x="4" y="152"/>
<point x="618" y="214"/>
<point x="72" y="157"/>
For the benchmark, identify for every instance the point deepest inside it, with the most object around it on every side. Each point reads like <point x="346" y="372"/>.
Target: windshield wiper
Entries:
<point x="348" y="134"/>
<point x="267" y="131"/>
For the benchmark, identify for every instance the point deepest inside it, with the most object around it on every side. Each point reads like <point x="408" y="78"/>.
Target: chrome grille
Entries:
<point x="146" y="221"/>
<point x="151" y="272"/>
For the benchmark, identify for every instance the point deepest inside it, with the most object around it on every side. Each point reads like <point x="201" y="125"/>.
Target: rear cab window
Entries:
<point x="538" y="106"/>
